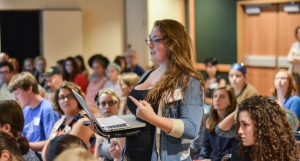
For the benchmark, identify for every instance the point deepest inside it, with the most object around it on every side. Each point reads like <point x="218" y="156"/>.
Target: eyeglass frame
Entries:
<point x="69" y="97"/>
<point x="151" y="40"/>
<point x="110" y="103"/>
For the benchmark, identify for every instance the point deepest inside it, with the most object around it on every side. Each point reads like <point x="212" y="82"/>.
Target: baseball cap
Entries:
<point x="51" y="71"/>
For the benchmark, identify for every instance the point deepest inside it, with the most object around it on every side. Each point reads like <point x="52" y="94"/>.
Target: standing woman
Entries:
<point x="294" y="59"/>
<point x="214" y="147"/>
<point x="169" y="99"/>
<point x="71" y="73"/>
<point x="237" y="79"/>
<point x="81" y="66"/>
<point x="264" y="132"/>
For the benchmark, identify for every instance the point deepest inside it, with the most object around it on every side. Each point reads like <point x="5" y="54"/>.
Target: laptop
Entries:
<point x="124" y="122"/>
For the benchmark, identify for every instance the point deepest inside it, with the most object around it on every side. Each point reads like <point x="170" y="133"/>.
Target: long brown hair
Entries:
<point x="273" y="135"/>
<point x="213" y="118"/>
<point x="180" y="66"/>
<point x="292" y="88"/>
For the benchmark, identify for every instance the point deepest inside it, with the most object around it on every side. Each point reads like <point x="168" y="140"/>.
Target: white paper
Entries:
<point x="110" y="121"/>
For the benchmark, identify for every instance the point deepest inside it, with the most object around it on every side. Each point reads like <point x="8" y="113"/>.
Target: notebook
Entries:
<point x="113" y="123"/>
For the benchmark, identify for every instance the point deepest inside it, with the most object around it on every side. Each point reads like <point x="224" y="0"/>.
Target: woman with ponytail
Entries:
<point x="12" y="122"/>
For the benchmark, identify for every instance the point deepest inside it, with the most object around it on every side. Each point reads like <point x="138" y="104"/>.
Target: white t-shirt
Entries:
<point x="294" y="52"/>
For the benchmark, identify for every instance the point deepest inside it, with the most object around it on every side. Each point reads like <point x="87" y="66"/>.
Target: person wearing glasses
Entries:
<point x="73" y="116"/>
<point x="6" y="74"/>
<point x="38" y="112"/>
<point x="237" y="79"/>
<point x="132" y="66"/>
<point x="168" y="98"/>
<point x="108" y="103"/>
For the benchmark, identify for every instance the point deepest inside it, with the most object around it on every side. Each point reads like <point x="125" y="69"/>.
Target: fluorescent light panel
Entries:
<point x="291" y="7"/>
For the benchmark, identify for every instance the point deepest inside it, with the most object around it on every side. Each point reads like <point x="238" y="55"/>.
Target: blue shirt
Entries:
<point x="138" y="70"/>
<point x="292" y="103"/>
<point x="39" y="121"/>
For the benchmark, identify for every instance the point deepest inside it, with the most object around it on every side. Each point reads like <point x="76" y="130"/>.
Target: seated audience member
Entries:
<point x="54" y="79"/>
<point x="3" y="57"/>
<point x="12" y="122"/>
<point x="78" y="154"/>
<point x="11" y="149"/>
<point x="215" y="147"/>
<point x="285" y="93"/>
<point x="109" y="104"/>
<point x="6" y="73"/>
<point x="98" y="80"/>
<point x="127" y="81"/>
<point x="15" y="64"/>
<point x="28" y="65"/>
<point x="73" y="116"/>
<point x="40" y="67"/>
<point x="81" y="66"/>
<point x="113" y="71"/>
<point x="61" y="143"/>
<point x="38" y="113"/>
<point x="97" y="56"/>
<point x="265" y="132"/>
<point x="213" y="79"/>
<point x="71" y="73"/>
<point x="237" y="79"/>
<point x="60" y="64"/>
<point x="131" y="59"/>
<point x="121" y="61"/>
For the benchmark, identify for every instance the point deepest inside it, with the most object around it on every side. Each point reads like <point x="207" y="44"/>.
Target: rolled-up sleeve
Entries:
<point x="191" y="112"/>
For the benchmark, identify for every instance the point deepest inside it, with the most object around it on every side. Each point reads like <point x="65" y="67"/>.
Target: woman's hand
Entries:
<point x="115" y="149"/>
<point x="144" y="110"/>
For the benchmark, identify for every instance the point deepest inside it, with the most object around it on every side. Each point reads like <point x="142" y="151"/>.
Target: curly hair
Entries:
<point x="273" y="135"/>
<point x="69" y="86"/>
<point x="292" y="88"/>
<point x="213" y="118"/>
<point x="180" y="66"/>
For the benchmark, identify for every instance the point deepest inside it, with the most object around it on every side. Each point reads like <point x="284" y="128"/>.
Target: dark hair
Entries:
<point x="9" y="65"/>
<point x="212" y="61"/>
<point x="70" y="76"/>
<point x="16" y="146"/>
<point x="118" y="60"/>
<point x="12" y="114"/>
<point x="296" y="32"/>
<point x="80" y="58"/>
<point x="60" y="62"/>
<point x="29" y="60"/>
<point x="61" y="143"/>
<point x="98" y="57"/>
<point x="273" y="135"/>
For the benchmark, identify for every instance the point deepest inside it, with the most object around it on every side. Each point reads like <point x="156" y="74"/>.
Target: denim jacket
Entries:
<point x="186" y="117"/>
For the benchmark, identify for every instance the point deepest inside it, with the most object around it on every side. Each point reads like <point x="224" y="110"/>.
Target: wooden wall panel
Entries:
<point x="286" y="30"/>
<point x="259" y="32"/>
<point x="261" y="78"/>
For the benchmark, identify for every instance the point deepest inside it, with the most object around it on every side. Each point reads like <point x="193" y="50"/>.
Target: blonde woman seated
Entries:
<point x="74" y="116"/>
<point x="78" y="154"/>
<point x="215" y="147"/>
<point x="108" y="103"/>
<point x="127" y="82"/>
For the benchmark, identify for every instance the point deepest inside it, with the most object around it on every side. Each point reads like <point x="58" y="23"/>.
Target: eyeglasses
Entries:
<point x="155" y="40"/>
<point x="110" y="103"/>
<point x="4" y="72"/>
<point x="69" y="97"/>
<point x="281" y="78"/>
